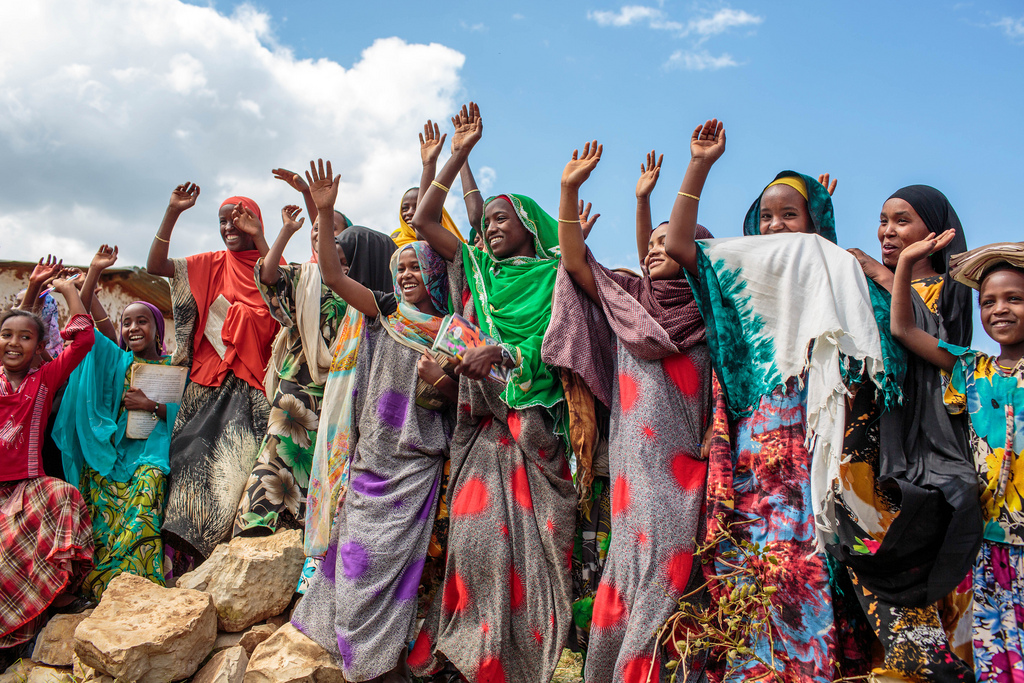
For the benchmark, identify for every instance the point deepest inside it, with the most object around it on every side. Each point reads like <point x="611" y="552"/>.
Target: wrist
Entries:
<point x="701" y="163"/>
<point x="643" y="198"/>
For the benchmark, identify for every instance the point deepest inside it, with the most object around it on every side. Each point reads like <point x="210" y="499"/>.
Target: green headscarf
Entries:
<point x="513" y="300"/>
<point x="819" y="206"/>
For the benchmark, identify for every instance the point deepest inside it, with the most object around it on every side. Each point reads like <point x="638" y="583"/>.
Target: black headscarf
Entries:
<point x="368" y="253"/>
<point x="925" y="461"/>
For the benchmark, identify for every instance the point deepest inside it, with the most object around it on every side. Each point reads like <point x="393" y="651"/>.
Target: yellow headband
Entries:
<point x="795" y="182"/>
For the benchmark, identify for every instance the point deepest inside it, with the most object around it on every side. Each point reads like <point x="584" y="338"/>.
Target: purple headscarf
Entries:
<point x="158" y="318"/>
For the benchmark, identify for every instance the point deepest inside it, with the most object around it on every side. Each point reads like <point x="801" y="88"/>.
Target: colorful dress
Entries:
<point x="124" y="480"/>
<point x="279" y="481"/>
<point x="363" y="600"/>
<point x="45" y="530"/>
<point x="993" y="397"/>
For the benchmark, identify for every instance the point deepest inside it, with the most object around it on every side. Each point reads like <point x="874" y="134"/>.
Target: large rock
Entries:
<point x="44" y="674"/>
<point x="227" y="666"/>
<point x="55" y="644"/>
<point x="290" y="657"/>
<point x="143" y="632"/>
<point x="250" y="579"/>
<point x="18" y="672"/>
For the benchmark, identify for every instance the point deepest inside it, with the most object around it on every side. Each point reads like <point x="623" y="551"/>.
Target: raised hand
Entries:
<point x="322" y="185"/>
<point x="431" y="143"/>
<point x="469" y="127"/>
<point x="586" y="220"/>
<point x="246" y="221"/>
<point x="105" y="257"/>
<point x="46" y="269"/>
<point x="708" y="141"/>
<point x="293" y="179"/>
<point x="184" y="197"/>
<point x="649" y="173"/>
<point x="289" y="214"/>
<point x="823" y="179"/>
<point x="926" y="247"/>
<point x="579" y="167"/>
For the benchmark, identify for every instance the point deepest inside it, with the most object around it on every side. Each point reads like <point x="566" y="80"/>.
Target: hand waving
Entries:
<point x="431" y="143"/>
<point x="586" y="220"/>
<point x="105" y="257"/>
<point x="322" y="185"/>
<point x="246" y="221"/>
<point x="823" y="179"/>
<point x="293" y="179"/>
<point x="926" y="247"/>
<point x="46" y="269"/>
<point x="649" y="173"/>
<point x="580" y="166"/>
<point x="469" y="127"/>
<point x="708" y="141"/>
<point x="289" y="214"/>
<point x="184" y="197"/>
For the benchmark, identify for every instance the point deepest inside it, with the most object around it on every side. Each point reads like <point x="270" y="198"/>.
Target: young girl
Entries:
<point x="45" y="530"/>
<point x="123" y="479"/>
<point x="991" y="391"/>
<point x="644" y="355"/>
<point x="361" y="604"/>
<point x="223" y="332"/>
<point x="504" y="612"/>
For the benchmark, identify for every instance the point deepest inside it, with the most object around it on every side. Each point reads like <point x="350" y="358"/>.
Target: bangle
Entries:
<point x="101" y="320"/>
<point x="691" y="196"/>
<point x="161" y="239"/>
<point x="438" y="185"/>
<point x="566" y="220"/>
<point x="470" y="192"/>
<point x="438" y="380"/>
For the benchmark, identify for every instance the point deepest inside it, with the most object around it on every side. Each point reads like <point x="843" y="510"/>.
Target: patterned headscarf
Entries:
<point x="819" y="205"/>
<point x="158" y="320"/>
<point x="408" y="320"/>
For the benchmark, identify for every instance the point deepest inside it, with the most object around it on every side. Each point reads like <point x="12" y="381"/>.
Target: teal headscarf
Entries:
<point x="819" y="206"/>
<point x="513" y="300"/>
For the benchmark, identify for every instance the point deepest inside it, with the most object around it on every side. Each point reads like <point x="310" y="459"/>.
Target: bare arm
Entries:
<point x="105" y="257"/>
<point x="570" y="232"/>
<point x="471" y="195"/>
<point x="296" y="182"/>
<point x="101" y="320"/>
<point x="183" y="198"/>
<point x="324" y="188"/>
<point x="43" y="271"/>
<point x="68" y="290"/>
<point x="427" y="220"/>
<point x="269" y="272"/>
<point x="431" y="144"/>
<point x="649" y="173"/>
<point x="902" y="324"/>
<point x="873" y="269"/>
<point x="706" y="146"/>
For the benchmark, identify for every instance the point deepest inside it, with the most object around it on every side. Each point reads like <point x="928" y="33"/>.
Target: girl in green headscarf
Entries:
<point x="504" y="609"/>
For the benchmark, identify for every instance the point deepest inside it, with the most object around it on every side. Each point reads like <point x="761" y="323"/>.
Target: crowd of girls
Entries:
<point x="670" y="437"/>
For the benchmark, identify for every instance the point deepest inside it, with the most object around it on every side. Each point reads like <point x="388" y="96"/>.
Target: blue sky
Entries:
<point x="146" y="94"/>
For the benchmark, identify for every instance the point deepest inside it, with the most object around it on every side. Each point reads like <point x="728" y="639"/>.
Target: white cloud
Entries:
<point x="655" y="18"/>
<point x="145" y="94"/>
<point x="699" y="61"/>
<point x="632" y="14"/>
<point x="476" y="28"/>
<point x="1012" y="28"/>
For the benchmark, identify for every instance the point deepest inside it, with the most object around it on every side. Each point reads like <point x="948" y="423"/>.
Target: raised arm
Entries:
<point x="471" y="195"/>
<point x="44" y="270"/>
<point x="182" y="199"/>
<point x="106" y="256"/>
<point x="902" y="324"/>
<point x="269" y="273"/>
<point x="247" y="221"/>
<point x="427" y="220"/>
<point x="706" y="146"/>
<point x="296" y="182"/>
<point x="570" y="232"/>
<point x="649" y="173"/>
<point x="324" y="188"/>
<point x="431" y="144"/>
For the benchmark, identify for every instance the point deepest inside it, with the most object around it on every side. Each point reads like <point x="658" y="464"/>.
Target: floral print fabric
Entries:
<point x="999" y="613"/>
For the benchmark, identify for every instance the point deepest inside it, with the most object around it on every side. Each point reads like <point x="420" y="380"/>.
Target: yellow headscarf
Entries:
<point x="406" y="235"/>
<point x="795" y="182"/>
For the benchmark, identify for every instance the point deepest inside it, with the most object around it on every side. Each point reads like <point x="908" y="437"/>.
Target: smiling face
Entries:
<point x="19" y="343"/>
<point x="659" y="264"/>
<point x="314" y="232"/>
<point x="1001" y="302"/>
<point x="234" y="239"/>
<point x="783" y="209"/>
<point x="505" y="233"/>
<point x="899" y="226"/>
<point x="409" y="278"/>
<point x="138" y="329"/>
<point x="408" y="208"/>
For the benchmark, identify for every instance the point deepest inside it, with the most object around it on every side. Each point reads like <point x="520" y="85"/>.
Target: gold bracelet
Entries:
<point x="162" y="239"/>
<point x="97" y="322"/>
<point x="438" y="380"/>
<point x="691" y="196"/>
<point x="438" y="185"/>
<point x="470" y="192"/>
<point x="566" y="220"/>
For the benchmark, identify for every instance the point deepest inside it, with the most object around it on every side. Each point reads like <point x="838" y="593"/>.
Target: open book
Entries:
<point x="160" y="383"/>
<point x="458" y="334"/>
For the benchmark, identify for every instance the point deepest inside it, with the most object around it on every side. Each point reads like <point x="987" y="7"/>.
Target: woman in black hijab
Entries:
<point x="368" y="253"/>
<point x="910" y="521"/>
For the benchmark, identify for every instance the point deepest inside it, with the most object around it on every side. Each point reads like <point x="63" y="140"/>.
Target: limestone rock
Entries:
<point x="254" y="636"/>
<point x="288" y="656"/>
<point x="146" y="633"/>
<point x="45" y="674"/>
<point x="250" y="579"/>
<point x="55" y="644"/>
<point x="87" y="674"/>
<point x="226" y="640"/>
<point x="18" y="672"/>
<point x="227" y="666"/>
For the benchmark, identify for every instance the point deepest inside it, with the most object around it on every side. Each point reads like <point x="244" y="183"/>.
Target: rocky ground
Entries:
<point x="226" y="622"/>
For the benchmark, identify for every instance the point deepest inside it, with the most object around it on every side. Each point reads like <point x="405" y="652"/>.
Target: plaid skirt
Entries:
<point x="45" y="549"/>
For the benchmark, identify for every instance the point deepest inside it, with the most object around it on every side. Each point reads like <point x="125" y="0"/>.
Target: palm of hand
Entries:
<point x="466" y="134"/>
<point x="41" y="273"/>
<point x="248" y="224"/>
<point x="707" y="149"/>
<point x="323" y="190"/>
<point x="182" y="200"/>
<point x="430" y="150"/>
<point x="646" y="184"/>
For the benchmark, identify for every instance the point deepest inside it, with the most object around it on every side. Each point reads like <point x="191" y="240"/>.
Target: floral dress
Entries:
<point x="993" y="397"/>
<point x="276" y="490"/>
